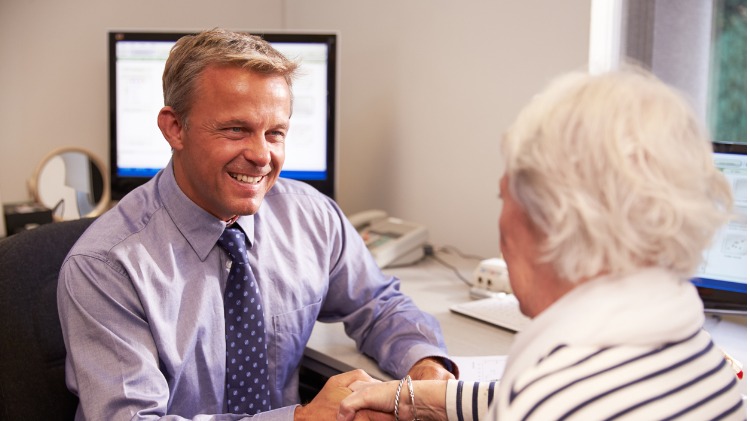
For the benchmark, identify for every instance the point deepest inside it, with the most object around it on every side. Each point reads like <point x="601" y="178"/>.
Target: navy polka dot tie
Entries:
<point x="247" y="384"/>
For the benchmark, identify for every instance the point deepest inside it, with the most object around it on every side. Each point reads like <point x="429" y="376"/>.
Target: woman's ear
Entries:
<point x="171" y="127"/>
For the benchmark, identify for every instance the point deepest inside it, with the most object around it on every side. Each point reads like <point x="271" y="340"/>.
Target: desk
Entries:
<point x="434" y="288"/>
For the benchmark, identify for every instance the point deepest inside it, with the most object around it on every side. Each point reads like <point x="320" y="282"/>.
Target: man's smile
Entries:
<point x="246" y="178"/>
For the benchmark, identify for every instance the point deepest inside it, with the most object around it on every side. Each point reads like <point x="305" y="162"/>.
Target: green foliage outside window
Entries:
<point x="728" y="101"/>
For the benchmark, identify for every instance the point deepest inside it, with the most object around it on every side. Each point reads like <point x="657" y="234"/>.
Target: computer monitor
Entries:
<point x="722" y="278"/>
<point x="137" y="148"/>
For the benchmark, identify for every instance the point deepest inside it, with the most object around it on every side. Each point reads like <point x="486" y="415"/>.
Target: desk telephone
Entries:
<point x="392" y="241"/>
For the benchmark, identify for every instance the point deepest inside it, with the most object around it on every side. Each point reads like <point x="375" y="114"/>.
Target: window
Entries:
<point x="727" y="106"/>
<point x="698" y="47"/>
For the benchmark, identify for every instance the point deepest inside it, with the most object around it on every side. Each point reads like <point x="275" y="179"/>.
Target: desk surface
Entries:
<point x="434" y="288"/>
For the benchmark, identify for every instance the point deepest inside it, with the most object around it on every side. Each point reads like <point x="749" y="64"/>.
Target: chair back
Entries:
<point x="32" y="351"/>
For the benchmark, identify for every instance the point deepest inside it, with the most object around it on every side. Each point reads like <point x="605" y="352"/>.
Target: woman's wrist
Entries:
<point x="424" y="401"/>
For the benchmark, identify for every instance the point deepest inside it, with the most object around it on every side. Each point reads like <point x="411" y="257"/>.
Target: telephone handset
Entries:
<point x="392" y="241"/>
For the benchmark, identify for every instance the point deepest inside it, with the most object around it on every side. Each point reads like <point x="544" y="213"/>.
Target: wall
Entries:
<point x="426" y="88"/>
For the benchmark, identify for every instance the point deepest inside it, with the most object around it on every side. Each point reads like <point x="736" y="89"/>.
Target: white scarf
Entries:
<point x="648" y="307"/>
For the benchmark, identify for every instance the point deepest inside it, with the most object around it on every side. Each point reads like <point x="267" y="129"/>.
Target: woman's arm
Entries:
<point x="429" y="400"/>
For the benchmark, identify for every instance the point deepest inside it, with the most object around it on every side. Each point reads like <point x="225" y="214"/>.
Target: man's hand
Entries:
<point x="326" y="403"/>
<point x="430" y="369"/>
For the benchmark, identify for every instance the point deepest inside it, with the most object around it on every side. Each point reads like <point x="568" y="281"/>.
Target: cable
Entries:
<point x="455" y="250"/>
<point x="429" y="251"/>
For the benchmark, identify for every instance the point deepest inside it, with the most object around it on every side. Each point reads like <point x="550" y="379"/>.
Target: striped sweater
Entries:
<point x="614" y="348"/>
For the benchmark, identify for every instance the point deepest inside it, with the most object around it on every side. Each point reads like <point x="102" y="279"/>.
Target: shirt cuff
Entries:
<point x="449" y="365"/>
<point x="281" y="414"/>
<point x="451" y="396"/>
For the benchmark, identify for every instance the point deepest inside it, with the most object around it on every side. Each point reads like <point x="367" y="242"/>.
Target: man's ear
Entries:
<point x="170" y="127"/>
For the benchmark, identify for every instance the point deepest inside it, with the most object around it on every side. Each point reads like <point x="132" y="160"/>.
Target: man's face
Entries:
<point x="231" y="151"/>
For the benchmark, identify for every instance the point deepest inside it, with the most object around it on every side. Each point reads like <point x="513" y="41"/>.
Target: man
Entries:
<point x="142" y="294"/>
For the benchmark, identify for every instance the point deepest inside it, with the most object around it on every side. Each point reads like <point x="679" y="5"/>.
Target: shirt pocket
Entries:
<point x="292" y="331"/>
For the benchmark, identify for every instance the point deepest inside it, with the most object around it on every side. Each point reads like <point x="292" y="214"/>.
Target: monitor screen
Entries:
<point x="137" y="148"/>
<point x="722" y="278"/>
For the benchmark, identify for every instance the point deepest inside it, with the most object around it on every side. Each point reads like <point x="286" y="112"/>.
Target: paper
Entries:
<point x="482" y="368"/>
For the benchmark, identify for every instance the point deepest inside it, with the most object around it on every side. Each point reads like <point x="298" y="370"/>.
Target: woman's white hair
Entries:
<point x="616" y="173"/>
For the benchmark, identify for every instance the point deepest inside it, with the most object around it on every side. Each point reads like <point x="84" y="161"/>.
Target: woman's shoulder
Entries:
<point x="625" y="380"/>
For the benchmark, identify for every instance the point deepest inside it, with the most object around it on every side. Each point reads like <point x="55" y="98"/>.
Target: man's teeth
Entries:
<point x="246" y="179"/>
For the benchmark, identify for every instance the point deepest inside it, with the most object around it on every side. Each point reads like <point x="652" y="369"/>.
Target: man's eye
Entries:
<point x="277" y="135"/>
<point x="234" y="132"/>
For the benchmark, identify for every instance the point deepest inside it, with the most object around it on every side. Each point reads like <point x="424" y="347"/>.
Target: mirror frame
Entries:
<point x="103" y="204"/>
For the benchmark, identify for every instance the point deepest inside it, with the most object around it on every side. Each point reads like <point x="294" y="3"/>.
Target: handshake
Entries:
<point x="356" y="396"/>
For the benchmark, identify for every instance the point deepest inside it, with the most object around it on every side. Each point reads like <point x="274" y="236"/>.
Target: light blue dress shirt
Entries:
<point x="141" y="302"/>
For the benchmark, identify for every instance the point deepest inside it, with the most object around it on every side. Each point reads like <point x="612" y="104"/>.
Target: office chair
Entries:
<point x="32" y="351"/>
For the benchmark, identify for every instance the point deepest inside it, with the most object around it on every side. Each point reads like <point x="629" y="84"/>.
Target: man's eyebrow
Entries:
<point x="232" y="121"/>
<point x="246" y="123"/>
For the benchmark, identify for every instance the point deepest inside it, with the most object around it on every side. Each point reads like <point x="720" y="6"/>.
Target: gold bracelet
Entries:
<point x="411" y="395"/>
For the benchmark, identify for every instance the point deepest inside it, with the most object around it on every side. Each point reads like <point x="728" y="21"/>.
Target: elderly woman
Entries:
<point x="609" y="198"/>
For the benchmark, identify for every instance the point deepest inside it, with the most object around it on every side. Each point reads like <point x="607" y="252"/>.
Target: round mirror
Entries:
<point x="72" y="182"/>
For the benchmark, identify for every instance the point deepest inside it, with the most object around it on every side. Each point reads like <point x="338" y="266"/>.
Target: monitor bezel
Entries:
<point x="121" y="185"/>
<point x="722" y="300"/>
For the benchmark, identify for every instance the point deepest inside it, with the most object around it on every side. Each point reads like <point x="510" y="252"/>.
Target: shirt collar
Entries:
<point x="247" y="223"/>
<point x="200" y="228"/>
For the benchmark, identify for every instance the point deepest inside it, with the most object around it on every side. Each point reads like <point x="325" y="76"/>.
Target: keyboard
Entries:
<point x="501" y="311"/>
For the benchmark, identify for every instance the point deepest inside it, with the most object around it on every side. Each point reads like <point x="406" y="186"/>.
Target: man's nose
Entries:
<point x="256" y="150"/>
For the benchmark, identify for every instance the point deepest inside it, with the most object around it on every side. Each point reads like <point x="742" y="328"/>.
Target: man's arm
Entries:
<point x="385" y="323"/>
<point x="110" y="351"/>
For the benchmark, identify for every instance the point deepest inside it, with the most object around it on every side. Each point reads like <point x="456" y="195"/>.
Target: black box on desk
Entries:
<point x="23" y="216"/>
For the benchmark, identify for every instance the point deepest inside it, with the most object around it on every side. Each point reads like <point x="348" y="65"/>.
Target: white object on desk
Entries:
<point x="729" y="333"/>
<point x="489" y="368"/>
<point x="502" y="311"/>
<point x="491" y="275"/>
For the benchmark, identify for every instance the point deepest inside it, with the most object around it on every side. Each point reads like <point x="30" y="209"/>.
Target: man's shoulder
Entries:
<point x="107" y="232"/>
<point x="128" y="217"/>
<point x="292" y="201"/>
<point x="296" y="187"/>
<point x="289" y="192"/>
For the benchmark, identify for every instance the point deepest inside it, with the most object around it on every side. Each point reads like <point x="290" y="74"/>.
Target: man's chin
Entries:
<point x="248" y="203"/>
<point x="248" y="206"/>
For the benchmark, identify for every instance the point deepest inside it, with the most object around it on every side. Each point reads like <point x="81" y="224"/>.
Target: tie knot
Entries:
<point x="232" y="240"/>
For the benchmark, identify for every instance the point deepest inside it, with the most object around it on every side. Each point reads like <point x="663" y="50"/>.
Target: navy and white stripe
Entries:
<point x="472" y="400"/>
<point x="625" y="347"/>
<point x="688" y="379"/>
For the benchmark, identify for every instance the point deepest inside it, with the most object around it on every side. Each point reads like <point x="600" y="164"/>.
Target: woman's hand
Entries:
<point x="379" y="399"/>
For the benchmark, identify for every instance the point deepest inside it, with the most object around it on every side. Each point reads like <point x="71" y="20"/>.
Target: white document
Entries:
<point x="481" y="369"/>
